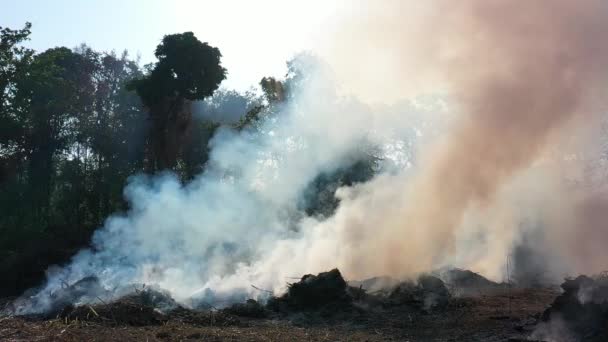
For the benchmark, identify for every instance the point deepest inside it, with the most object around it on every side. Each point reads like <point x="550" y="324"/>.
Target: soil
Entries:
<point x="505" y="315"/>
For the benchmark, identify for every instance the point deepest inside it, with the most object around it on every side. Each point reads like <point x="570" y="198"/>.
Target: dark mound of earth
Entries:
<point x="580" y="313"/>
<point x="429" y="293"/>
<point x="465" y="282"/>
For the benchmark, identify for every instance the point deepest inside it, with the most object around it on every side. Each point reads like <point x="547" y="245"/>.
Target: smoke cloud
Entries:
<point x="467" y="174"/>
<point x="519" y="75"/>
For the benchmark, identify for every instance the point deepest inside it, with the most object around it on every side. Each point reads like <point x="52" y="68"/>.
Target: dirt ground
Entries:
<point x="506" y="315"/>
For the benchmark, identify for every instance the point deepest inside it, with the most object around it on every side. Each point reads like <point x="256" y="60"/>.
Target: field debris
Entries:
<point x="144" y="308"/>
<point x="451" y="297"/>
<point x="314" y="292"/>
<point x="468" y="283"/>
<point x="251" y="308"/>
<point x="324" y="305"/>
<point x="330" y="290"/>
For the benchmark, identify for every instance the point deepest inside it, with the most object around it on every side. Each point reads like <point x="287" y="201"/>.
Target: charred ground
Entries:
<point x="325" y="307"/>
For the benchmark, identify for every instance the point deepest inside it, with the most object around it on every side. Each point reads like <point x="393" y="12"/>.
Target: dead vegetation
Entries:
<point x="321" y="307"/>
<point x="251" y="308"/>
<point x="138" y="310"/>
<point x="314" y="292"/>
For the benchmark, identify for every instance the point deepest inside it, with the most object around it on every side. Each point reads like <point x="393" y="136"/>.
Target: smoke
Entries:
<point x="235" y="225"/>
<point x="520" y="76"/>
<point x="225" y="106"/>
<point x="521" y="82"/>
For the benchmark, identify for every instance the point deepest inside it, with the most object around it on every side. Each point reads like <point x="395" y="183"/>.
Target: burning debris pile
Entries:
<point x="251" y="308"/>
<point x="132" y="311"/>
<point x="579" y="313"/>
<point x="86" y="289"/>
<point x="327" y="299"/>
<point x="428" y="294"/>
<point x="328" y="291"/>
<point x="145" y="307"/>
<point x="326" y="294"/>
<point x="314" y="292"/>
<point x="125" y="311"/>
<point x="89" y="290"/>
<point x="465" y="282"/>
<point x="88" y="301"/>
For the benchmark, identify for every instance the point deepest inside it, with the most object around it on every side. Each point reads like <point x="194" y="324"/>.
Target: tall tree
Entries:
<point x="187" y="70"/>
<point x="14" y="60"/>
<point x="56" y="87"/>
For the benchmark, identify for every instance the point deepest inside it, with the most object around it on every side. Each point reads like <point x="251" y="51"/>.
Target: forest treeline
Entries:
<point x="76" y="123"/>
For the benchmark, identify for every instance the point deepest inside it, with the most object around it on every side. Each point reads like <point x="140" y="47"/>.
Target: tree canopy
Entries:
<point x="186" y="68"/>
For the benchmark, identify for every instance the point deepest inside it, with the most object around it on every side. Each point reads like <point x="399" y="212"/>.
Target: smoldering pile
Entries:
<point x="135" y="305"/>
<point x="323" y="296"/>
<point x="327" y="298"/>
<point x="580" y="313"/>
<point x="328" y="292"/>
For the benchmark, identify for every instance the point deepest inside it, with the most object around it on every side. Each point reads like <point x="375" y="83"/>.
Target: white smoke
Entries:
<point x="238" y="224"/>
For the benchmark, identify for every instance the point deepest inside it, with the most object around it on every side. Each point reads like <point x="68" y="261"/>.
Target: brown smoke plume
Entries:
<point x="520" y="73"/>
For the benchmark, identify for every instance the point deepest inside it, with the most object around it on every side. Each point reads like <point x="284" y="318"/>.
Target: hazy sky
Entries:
<point x="256" y="37"/>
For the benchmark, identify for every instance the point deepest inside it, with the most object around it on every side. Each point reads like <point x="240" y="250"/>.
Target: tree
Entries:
<point x="274" y="93"/>
<point x="187" y="70"/>
<point x="45" y="97"/>
<point x="14" y="60"/>
<point x="56" y="88"/>
<point x="196" y="152"/>
<point x="319" y="197"/>
<point x="277" y="92"/>
<point x="274" y="90"/>
<point x="70" y="135"/>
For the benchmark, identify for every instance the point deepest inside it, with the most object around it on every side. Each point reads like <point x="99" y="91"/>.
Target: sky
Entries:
<point x="256" y="38"/>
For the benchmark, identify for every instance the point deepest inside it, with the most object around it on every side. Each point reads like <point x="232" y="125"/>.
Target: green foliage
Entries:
<point x="320" y="195"/>
<point x="251" y="117"/>
<point x="14" y="61"/>
<point x="70" y="135"/>
<point x="277" y="92"/>
<point x="196" y="152"/>
<point x="186" y="68"/>
<point x="274" y="91"/>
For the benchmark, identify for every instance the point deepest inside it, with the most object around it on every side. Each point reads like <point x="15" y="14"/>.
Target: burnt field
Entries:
<point x="484" y="318"/>
<point x="320" y="308"/>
